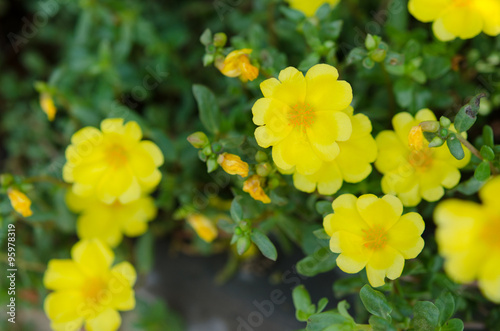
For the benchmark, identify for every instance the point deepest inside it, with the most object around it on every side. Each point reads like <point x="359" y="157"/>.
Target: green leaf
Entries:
<point x="435" y="66"/>
<point x="302" y="303"/>
<point x="375" y="302"/>
<point x="322" y="260"/>
<point x="322" y="304"/>
<point x="453" y="325"/>
<point x="330" y="319"/>
<point x="455" y="147"/>
<point x="311" y="60"/>
<point x="321" y="234"/>
<point x="404" y="90"/>
<point x="380" y="324"/>
<point x="342" y="307"/>
<point x="264" y="244"/>
<point x="426" y="316"/>
<point x="206" y="37"/>
<point x="465" y="118"/>
<point x="488" y="136"/>
<point x="347" y="285"/>
<point x="324" y="207"/>
<point x="209" y="110"/>
<point x="483" y="171"/>
<point x="487" y="153"/>
<point x="446" y="305"/>
<point x="144" y="252"/>
<point x="236" y="210"/>
<point x="470" y="186"/>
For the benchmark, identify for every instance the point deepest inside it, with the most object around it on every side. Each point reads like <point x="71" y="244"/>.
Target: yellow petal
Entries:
<point x="489" y="192"/>
<point x="328" y="128"/>
<point x="63" y="275"/>
<point x="92" y="256"/>
<point x="328" y="179"/>
<point x="154" y="151"/>
<point x="296" y="151"/>
<point x="74" y="325"/>
<point x="113" y="125"/>
<point x="404" y="236"/>
<point x="427" y="10"/>
<point x="490" y="12"/>
<point x="384" y="262"/>
<point x="383" y="212"/>
<point x="392" y="153"/>
<point x="354" y="255"/>
<point x="62" y="306"/>
<point x="346" y="217"/>
<point x="108" y="320"/>
<point x="410" y="198"/>
<point x="100" y="223"/>
<point x="133" y="131"/>
<point x="463" y="22"/>
<point x="324" y="91"/>
<point x="489" y="278"/>
<point x="291" y="90"/>
<point x="441" y="32"/>
<point x="113" y="184"/>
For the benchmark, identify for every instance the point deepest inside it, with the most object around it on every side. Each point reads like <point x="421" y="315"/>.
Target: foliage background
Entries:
<point x="95" y="55"/>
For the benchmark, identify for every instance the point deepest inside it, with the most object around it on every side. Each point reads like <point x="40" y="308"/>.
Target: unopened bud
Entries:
<point x="220" y="39"/>
<point x="430" y="126"/>
<point x="198" y="139"/>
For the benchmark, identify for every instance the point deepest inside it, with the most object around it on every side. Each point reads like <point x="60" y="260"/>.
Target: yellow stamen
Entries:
<point x="375" y="238"/>
<point x="301" y="115"/>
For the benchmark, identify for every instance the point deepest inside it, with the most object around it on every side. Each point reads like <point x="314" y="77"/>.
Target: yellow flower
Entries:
<point x="20" y="202"/>
<point x="458" y="18"/>
<point x="302" y="117"/>
<point x="351" y="165"/>
<point x="109" y="222"/>
<point x="232" y="164"/>
<point x="237" y="64"/>
<point x="252" y="186"/>
<point x="112" y="163"/>
<point x="47" y="104"/>
<point x="87" y="290"/>
<point x="203" y="226"/>
<point x="467" y="237"/>
<point x="371" y="232"/>
<point x="309" y="7"/>
<point x="413" y="173"/>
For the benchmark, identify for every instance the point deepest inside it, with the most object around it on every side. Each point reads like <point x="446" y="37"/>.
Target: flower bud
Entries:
<point x="436" y="142"/>
<point x="253" y="187"/>
<point x="198" y="139"/>
<point x="445" y="121"/>
<point x="220" y="39"/>
<point x="263" y="169"/>
<point x="233" y="165"/>
<point x="20" y="202"/>
<point x="430" y="126"/>
<point x="260" y="157"/>
<point x="203" y="227"/>
<point x="48" y="107"/>
<point x="243" y="244"/>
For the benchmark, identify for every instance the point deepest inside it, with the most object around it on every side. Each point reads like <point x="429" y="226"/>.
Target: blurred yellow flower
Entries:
<point x="87" y="290"/>
<point x="468" y="238"/>
<point x="20" y="202"/>
<point x="309" y="7"/>
<point x="458" y="18"/>
<point x="253" y="187"/>
<point x="109" y="222"/>
<point x="237" y="64"/>
<point x="47" y="105"/>
<point x="232" y="164"/>
<point x="371" y="232"/>
<point x="302" y="117"/>
<point x="203" y="226"/>
<point x="112" y="163"/>
<point x="351" y="165"/>
<point x="417" y="172"/>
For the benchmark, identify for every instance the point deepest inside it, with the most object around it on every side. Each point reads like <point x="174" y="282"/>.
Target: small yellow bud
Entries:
<point x="203" y="226"/>
<point x="252" y="186"/>
<point x="416" y="138"/>
<point x="233" y="165"/>
<point x="48" y="106"/>
<point x="237" y="64"/>
<point x="20" y="202"/>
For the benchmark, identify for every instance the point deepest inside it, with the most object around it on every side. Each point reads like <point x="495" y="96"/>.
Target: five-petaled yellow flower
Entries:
<point x="112" y="163"/>
<point x="351" y="165"/>
<point x="302" y="117"/>
<point x="309" y="7"/>
<point x="109" y="222"/>
<point x="468" y="238"/>
<point x="411" y="169"/>
<point x="203" y="227"/>
<point x="237" y="64"/>
<point x="232" y="164"/>
<point x="458" y="18"/>
<point x="20" y="202"/>
<point x="47" y="105"/>
<point x="253" y="187"/>
<point x="88" y="291"/>
<point x="371" y="232"/>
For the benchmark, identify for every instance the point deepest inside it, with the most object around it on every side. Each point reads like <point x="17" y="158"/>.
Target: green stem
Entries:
<point x="390" y="90"/>
<point x="363" y="327"/>
<point x="48" y="179"/>
<point x="474" y="151"/>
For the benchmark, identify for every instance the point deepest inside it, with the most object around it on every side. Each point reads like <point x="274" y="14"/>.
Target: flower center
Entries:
<point x="461" y="3"/>
<point x="375" y="238"/>
<point x="420" y="154"/>
<point x="116" y="156"/>
<point x="94" y="289"/>
<point x="490" y="231"/>
<point x="301" y="115"/>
